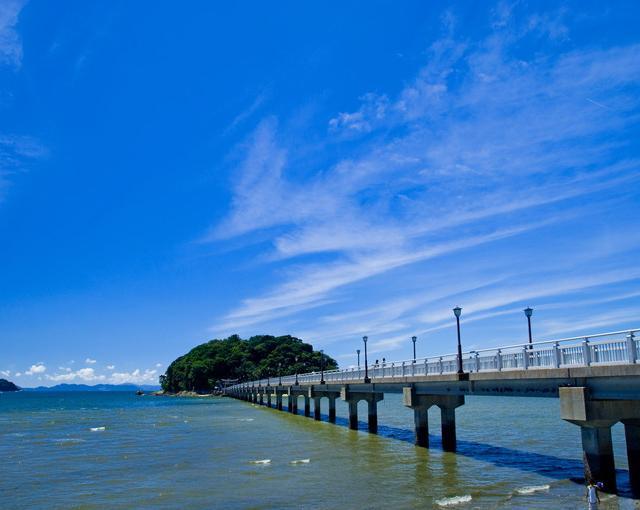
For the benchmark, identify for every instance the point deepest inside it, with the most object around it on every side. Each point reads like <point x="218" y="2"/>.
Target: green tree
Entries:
<point x="204" y="366"/>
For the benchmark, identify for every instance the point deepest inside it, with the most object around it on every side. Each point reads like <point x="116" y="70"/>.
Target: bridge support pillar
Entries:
<point x="261" y="397"/>
<point x="371" y="397"/>
<point x="595" y="418"/>
<point x="316" y="408"/>
<point x="332" y="408"/>
<point x="307" y="407"/>
<point x="291" y="402"/>
<point x="421" y="404"/>
<point x="269" y="390"/>
<point x="278" y="400"/>
<point x="632" y="436"/>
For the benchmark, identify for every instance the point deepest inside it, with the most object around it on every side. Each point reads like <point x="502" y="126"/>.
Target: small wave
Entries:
<point x="98" y="429"/>
<point x="263" y="461"/>
<point x="69" y="440"/>
<point x="532" y="489"/>
<point x="301" y="461"/>
<point x="455" y="500"/>
<point x="246" y="419"/>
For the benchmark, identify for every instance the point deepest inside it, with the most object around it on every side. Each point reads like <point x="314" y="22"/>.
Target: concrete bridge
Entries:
<point x="596" y="377"/>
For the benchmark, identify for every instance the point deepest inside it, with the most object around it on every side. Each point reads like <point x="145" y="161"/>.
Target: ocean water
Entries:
<point x="117" y="450"/>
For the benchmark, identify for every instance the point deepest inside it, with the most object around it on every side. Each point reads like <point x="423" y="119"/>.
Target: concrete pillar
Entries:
<point x="278" y="400"/>
<point x="371" y="397"/>
<point x="269" y="397"/>
<point x="307" y="407"/>
<point x="290" y="400"/>
<point x="294" y="404"/>
<point x="448" y="419"/>
<point x="595" y="418"/>
<point x="316" y="408"/>
<point x="599" y="465"/>
<point x="353" y="414"/>
<point x="332" y="408"/>
<point x="421" y="426"/>
<point x="632" y="436"/>
<point x="373" y="415"/>
<point x="421" y="404"/>
<point x="261" y="398"/>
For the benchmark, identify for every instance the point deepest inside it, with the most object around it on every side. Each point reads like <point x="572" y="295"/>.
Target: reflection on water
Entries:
<point x="148" y="452"/>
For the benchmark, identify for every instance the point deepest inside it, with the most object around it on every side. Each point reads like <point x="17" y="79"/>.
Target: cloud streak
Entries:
<point x="482" y="147"/>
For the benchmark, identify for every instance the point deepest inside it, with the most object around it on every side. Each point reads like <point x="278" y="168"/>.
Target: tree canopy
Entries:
<point x="204" y="366"/>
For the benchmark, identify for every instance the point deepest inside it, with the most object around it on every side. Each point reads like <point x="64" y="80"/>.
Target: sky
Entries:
<point x="172" y="173"/>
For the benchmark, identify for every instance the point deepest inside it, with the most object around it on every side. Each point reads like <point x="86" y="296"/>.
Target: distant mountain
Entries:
<point x="8" y="386"/>
<point x="97" y="387"/>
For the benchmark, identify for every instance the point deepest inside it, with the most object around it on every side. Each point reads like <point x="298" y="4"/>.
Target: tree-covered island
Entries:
<point x="204" y="366"/>
<point x="8" y="386"/>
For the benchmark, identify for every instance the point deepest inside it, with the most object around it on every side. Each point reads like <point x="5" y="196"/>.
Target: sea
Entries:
<point x="114" y="450"/>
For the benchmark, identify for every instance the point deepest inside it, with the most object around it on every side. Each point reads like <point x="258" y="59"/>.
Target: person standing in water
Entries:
<point x="592" y="495"/>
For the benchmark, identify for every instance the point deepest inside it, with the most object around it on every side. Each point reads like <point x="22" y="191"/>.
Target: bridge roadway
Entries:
<point x="594" y="395"/>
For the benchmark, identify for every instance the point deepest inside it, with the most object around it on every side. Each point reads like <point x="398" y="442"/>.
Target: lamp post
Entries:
<point x="279" y="374"/>
<point x="321" y="367"/>
<point x="528" y="311"/>
<point x="358" y="352"/>
<point x="413" y="339"/>
<point x="457" y="311"/>
<point x="296" y="383"/>
<point x="366" y="363"/>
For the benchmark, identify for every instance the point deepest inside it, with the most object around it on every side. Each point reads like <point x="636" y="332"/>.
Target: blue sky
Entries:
<point x="172" y="173"/>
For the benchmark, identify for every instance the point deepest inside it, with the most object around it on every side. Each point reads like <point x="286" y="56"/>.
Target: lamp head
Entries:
<point x="528" y="311"/>
<point x="457" y="311"/>
<point x="365" y="338"/>
<point x="414" y="338"/>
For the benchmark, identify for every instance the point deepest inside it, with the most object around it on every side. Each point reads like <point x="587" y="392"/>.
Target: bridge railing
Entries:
<point x="618" y="347"/>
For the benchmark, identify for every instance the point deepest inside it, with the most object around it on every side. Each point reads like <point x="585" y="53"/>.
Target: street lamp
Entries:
<point x="528" y="311"/>
<point x="457" y="311"/>
<point x="413" y="339"/>
<point x="366" y="363"/>
<point x="358" y="351"/>
<point x="279" y="374"/>
<point x="321" y="367"/>
<point x="296" y="383"/>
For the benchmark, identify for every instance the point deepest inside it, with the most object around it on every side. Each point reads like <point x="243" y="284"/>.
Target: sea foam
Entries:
<point x="301" y="461"/>
<point x="263" y="461"/>
<point x="97" y="429"/>
<point x="532" y="489"/>
<point x="455" y="500"/>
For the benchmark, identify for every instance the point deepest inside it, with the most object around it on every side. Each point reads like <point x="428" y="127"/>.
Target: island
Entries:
<point x="205" y="367"/>
<point x="6" y="386"/>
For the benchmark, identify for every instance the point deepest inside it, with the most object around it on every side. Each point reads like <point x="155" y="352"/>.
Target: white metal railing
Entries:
<point x="618" y="347"/>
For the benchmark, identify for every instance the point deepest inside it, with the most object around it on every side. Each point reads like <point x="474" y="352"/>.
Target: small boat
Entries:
<point x="139" y="392"/>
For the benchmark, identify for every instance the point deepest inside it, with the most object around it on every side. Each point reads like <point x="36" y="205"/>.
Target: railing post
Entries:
<point x="557" y="354"/>
<point x="632" y="350"/>
<point x="586" y="352"/>
<point x="477" y="362"/>
<point x="440" y="365"/>
<point x="499" y="360"/>
<point x="426" y="367"/>
<point x="402" y="369"/>
<point x="525" y="358"/>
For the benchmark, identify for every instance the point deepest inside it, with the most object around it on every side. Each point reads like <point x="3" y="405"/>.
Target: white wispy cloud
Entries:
<point x="10" y="43"/>
<point x="90" y="361"/>
<point x="479" y="140"/>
